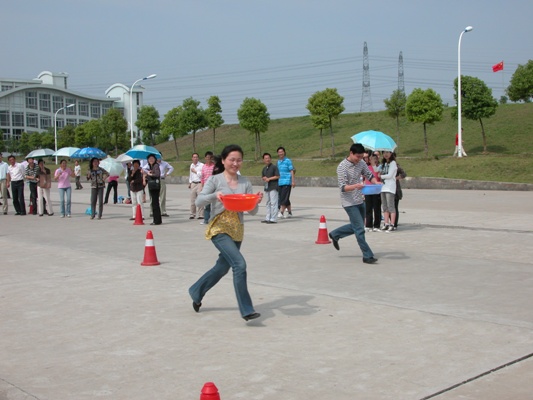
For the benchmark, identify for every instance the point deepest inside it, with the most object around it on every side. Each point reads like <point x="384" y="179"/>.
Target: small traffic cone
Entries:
<point x="209" y="392"/>
<point x="150" y="258"/>
<point x="322" y="232"/>
<point x="138" y="216"/>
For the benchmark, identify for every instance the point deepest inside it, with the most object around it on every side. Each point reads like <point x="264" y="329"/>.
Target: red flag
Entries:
<point x="497" y="67"/>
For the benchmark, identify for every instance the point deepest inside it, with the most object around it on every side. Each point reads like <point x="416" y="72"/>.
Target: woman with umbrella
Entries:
<point x="152" y="176"/>
<point x="388" y="176"/>
<point x="97" y="175"/>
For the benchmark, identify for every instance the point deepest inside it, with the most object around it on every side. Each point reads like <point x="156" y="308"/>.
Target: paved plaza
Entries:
<point x="449" y="301"/>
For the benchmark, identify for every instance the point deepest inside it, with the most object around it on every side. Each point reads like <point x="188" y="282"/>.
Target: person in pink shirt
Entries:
<point x="112" y="182"/>
<point x="207" y="171"/>
<point x="62" y="176"/>
<point x="372" y="201"/>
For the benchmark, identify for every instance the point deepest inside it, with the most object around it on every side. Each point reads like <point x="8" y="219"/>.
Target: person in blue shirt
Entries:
<point x="285" y="183"/>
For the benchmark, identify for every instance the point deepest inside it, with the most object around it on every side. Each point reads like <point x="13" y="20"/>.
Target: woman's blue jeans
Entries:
<point x="356" y="226"/>
<point x="64" y="192"/>
<point x="229" y="257"/>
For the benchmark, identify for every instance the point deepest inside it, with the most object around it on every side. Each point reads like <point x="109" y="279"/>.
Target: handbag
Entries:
<point x="154" y="183"/>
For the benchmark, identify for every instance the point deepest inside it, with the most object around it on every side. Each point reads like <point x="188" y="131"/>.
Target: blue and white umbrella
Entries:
<point x="375" y="141"/>
<point x="141" y="152"/>
<point x="66" y="151"/>
<point x="88" y="152"/>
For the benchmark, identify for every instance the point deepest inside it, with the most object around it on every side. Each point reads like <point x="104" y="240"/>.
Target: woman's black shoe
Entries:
<point x="196" y="306"/>
<point x="251" y="316"/>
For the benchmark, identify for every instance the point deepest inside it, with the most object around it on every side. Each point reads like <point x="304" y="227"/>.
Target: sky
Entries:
<point x="277" y="51"/>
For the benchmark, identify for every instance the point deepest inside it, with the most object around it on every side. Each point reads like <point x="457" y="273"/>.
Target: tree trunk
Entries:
<point x="259" y="147"/>
<point x="194" y="141"/>
<point x="176" y="147"/>
<point x="214" y="140"/>
<point x="426" y="148"/>
<point x="397" y="133"/>
<point x="321" y="142"/>
<point x="484" y="137"/>
<point x="332" y="138"/>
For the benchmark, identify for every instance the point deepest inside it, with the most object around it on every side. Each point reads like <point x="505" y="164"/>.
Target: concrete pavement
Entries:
<point x="449" y="300"/>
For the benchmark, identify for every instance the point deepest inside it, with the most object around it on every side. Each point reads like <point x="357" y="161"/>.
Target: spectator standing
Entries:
<point x="3" y="184"/>
<point x="136" y="185"/>
<point x="389" y="168"/>
<point x="30" y="175"/>
<point x="165" y="169"/>
<point x="270" y="176"/>
<point x="44" y="184"/>
<point x="373" y="201"/>
<point x="152" y="177"/>
<point x="285" y="183"/>
<point x="62" y="176"/>
<point x="207" y="172"/>
<point x="112" y="183"/>
<point x="195" y="184"/>
<point x="97" y="176"/>
<point x="349" y="174"/>
<point x="400" y="174"/>
<point x="77" y="173"/>
<point x="15" y="177"/>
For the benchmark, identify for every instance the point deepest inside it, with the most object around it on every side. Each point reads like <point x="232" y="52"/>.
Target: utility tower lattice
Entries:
<point x="401" y="85"/>
<point x="366" y="99"/>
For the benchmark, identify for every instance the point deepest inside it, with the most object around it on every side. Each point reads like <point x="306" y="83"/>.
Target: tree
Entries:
<point x="214" y="119"/>
<point x="2" y="143"/>
<point x="48" y="140"/>
<point x="396" y="108"/>
<point x="320" y="122"/>
<point x="476" y="102"/>
<point x="193" y="118"/>
<point x="521" y="87"/>
<point x="424" y="106"/>
<point x="254" y="117"/>
<point x="148" y="122"/>
<point x="90" y="135"/>
<point x="66" y="137"/>
<point x="326" y="104"/>
<point x="115" y="126"/>
<point x="171" y="126"/>
<point x="35" y="141"/>
<point x="24" y="143"/>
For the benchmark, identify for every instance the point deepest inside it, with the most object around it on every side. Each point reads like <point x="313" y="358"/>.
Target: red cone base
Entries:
<point x="138" y="216"/>
<point x="323" y="232"/>
<point x="209" y="392"/>
<point x="150" y="258"/>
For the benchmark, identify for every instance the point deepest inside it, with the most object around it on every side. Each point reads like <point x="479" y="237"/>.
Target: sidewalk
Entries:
<point x="449" y="300"/>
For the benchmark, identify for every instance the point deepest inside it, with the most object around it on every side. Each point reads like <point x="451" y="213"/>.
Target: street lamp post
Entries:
<point x="131" y="102"/>
<point x="459" y="95"/>
<point x="55" y="124"/>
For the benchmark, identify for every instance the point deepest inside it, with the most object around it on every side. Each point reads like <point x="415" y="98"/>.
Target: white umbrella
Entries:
<point x="124" y="158"/>
<point x="112" y="166"/>
<point x="40" y="153"/>
<point x="66" y="151"/>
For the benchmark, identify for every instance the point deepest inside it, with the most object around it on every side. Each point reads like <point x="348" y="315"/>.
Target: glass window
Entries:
<point x="6" y="87"/>
<point x="31" y="100"/>
<point x="60" y="123"/>
<point x="70" y="110"/>
<point x="46" y="121"/>
<point x="72" y="121"/>
<point x="17" y="133"/>
<point x="44" y="101"/>
<point x="17" y="118"/>
<point x="95" y="110"/>
<point x="4" y="118"/>
<point x="32" y="120"/>
<point x="83" y="108"/>
<point x="105" y="108"/>
<point x="57" y="102"/>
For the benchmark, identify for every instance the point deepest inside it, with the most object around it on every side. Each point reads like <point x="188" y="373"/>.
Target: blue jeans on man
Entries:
<point x="356" y="226"/>
<point x="229" y="257"/>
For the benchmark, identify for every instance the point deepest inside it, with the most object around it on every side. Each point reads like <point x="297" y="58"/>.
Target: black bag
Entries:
<point x="154" y="183"/>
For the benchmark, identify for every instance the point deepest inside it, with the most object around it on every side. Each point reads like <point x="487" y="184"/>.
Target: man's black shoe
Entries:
<point x="370" y="260"/>
<point x="335" y="242"/>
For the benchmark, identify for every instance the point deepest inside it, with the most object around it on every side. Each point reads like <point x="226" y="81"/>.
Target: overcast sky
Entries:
<point x="278" y="51"/>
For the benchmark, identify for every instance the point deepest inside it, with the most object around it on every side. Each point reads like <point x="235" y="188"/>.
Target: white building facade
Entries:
<point x="32" y="105"/>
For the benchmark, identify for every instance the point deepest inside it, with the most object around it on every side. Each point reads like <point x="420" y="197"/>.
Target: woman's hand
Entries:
<point x="219" y="196"/>
<point x="260" y="195"/>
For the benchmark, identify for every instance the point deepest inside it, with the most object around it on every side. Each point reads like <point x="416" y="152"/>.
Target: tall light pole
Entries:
<point x="131" y="102"/>
<point x="459" y="95"/>
<point x="55" y="124"/>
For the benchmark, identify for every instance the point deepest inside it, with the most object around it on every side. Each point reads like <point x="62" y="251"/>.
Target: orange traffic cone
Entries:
<point x="138" y="216"/>
<point x="150" y="258"/>
<point x="323" y="232"/>
<point x="209" y="392"/>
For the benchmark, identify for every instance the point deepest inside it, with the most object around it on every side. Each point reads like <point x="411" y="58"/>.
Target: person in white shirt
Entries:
<point x="166" y="169"/>
<point x="195" y="184"/>
<point x="15" y="176"/>
<point x="3" y="184"/>
<point x="77" y="173"/>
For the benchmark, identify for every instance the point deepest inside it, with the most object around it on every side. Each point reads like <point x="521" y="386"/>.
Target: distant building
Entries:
<point x="30" y="105"/>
